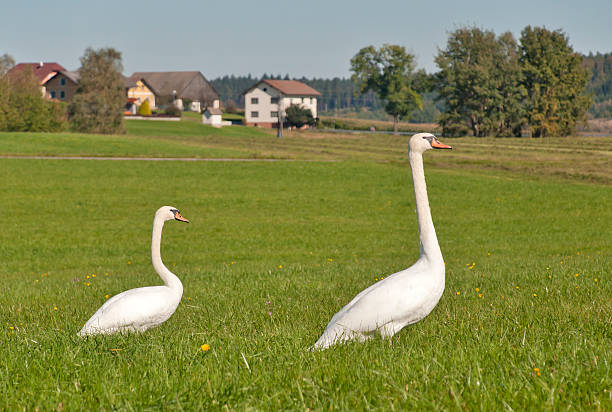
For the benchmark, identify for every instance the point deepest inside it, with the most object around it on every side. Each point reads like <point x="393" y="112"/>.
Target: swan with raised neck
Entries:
<point x="137" y="310"/>
<point x="404" y="297"/>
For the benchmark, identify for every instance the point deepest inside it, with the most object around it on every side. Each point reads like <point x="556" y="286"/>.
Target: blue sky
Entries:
<point x="306" y="38"/>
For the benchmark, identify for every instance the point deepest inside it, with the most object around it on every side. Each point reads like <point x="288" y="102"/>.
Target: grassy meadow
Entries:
<point x="275" y="248"/>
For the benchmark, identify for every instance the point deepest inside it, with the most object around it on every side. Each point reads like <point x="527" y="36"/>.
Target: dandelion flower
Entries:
<point x="129" y="262"/>
<point x="503" y="297"/>
<point x="106" y="296"/>
<point x="595" y="279"/>
<point x="480" y="295"/>
<point x="477" y="290"/>
<point x="537" y="371"/>
<point x="93" y="275"/>
<point x="54" y="307"/>
<point x="280" y="266"/>
<point x="517" y="287"/>
<point x="577" y="274"/>
<point x="535" y="295"/>
<point x="205" y="347"/>
<point x="11" y="327"/>
<point x="458" y="293"/>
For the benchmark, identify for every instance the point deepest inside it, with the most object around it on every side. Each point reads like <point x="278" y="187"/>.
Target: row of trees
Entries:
<point x="491" y="85"/>
<point x="496" y="86"/>
<point x="600" y="85"/>
<point x="97" y="106"/>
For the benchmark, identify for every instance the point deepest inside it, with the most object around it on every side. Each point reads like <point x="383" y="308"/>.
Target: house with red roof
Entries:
<point x="266" y="99"/>
<point x="55" y="81"/>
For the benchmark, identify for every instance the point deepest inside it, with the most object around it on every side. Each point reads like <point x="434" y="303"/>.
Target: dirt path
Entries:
<point x="154" y="159"/>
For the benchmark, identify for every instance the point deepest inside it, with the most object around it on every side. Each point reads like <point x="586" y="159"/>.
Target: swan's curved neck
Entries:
<point x="427" y="233"/>
<point x="169" y="278"/>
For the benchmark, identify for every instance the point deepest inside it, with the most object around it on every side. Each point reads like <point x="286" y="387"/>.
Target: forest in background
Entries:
<point x="338" y="94"/>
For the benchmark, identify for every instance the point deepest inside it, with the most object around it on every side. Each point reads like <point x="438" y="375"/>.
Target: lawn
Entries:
<point x="274" y="249"/>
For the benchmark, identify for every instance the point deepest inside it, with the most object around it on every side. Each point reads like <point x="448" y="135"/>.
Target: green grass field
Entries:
<point x="274" y="249"/>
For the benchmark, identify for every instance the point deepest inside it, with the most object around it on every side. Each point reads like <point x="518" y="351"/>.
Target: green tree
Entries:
<point x="298" y="116"/>
<point x="479" y="79"/>
<point x="388" y="72"/>
<point x="555" y="81"/>
<point x="97" y="106"/>
<point x="144" y="109"/>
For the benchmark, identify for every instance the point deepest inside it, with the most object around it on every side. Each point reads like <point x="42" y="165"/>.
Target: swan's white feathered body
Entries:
<point x="404" y="297"/>
<point x="137" y="310"/>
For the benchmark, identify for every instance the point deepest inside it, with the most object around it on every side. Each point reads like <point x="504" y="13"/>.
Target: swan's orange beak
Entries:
<point x="437" y="145"/>
<point x="179" y="217"/>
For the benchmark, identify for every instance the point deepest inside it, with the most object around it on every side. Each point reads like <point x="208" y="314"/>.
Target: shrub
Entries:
<point x="299" y="116"/>
<point x="144" y="109"/>
<point x="173" y="111"/>
<point x="24" y="109"/>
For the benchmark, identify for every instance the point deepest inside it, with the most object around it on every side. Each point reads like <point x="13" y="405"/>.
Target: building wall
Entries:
<point x="141" y="93"/>
<point x="265" y="108"/>
<point x="55" y="86"/>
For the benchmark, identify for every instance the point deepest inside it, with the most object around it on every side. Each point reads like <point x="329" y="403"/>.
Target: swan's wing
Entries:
<point x="130" y="308"/>
<point x="403" y="298"/>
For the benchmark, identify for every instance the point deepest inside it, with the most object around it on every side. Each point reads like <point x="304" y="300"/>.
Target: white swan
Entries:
<point x="404" y="297"/>
<point x="137" y="310"/>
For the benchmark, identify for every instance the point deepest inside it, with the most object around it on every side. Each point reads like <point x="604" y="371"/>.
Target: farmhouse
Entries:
<point x="177" y="88"/>
<point x="266" y="99"/>
<point x="55" y="81"/>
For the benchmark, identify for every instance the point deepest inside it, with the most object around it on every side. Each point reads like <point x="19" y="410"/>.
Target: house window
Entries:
<point x="273" y="114"/>
<point x="254" y="100"/>
<point x="254" y="114"/>
<point x="62" y="94"/>
<point x="52" y="94"/>
<point x="274" y="100"/>
<point x="265" y="89"/>
<point x="62" y="82"/>
<point x="302" y="100"/>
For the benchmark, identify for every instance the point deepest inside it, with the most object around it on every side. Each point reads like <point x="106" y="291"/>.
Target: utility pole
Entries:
<point x="279" y="132"/>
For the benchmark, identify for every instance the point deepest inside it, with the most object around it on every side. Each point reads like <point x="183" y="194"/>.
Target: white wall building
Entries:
<point x="264" y="100"/>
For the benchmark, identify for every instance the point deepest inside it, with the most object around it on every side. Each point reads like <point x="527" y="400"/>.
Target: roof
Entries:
<point x="43" y="70"/>
<point x="213" y="110"/>
<point x="290" y="87"/>
<point x="190" y="84"/>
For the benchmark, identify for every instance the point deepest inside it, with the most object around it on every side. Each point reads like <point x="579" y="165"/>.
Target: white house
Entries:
<point x="264" y="100"/>
<point x="213" y="117"/>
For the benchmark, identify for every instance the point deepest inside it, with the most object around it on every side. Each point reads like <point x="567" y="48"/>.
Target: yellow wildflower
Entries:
<point x="480" y="295"/>
<point x="205" y="347"/>
<point x="477" y="290"/>
<point x="458" y="293"/>
<point x="537" y="371"/>
<point x="54" y="307"/>
<point x="106" y="296"/>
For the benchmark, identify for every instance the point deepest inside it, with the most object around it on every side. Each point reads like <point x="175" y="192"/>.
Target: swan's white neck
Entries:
<point x="427" y="234"/>
<point x="169" y="278"/>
